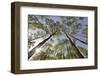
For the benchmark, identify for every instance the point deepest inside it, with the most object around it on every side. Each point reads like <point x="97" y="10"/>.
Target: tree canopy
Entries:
<point x="57" y="37"/>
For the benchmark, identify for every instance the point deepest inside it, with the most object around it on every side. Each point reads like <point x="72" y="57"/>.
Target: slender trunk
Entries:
<point x="30" y="53"/>
<point x="77" y="50"/>
<point x="79" y="40"/>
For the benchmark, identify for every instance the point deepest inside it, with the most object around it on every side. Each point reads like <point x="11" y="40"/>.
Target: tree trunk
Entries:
<point x="77" y="50"/>
<point x="79" y="40"/>
<point x="30" y="53"/>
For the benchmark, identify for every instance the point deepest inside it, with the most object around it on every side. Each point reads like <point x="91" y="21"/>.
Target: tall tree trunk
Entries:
<point x="77" y="50"/>
<point x="79" y="40"/>
<point x="30" y="53"/>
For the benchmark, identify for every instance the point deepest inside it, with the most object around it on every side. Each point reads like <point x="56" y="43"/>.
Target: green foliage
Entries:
<point x="83" y="51"/>
<point x="60" y="55"/>
<point x="73" y="33"/>
<point x="40" y="56"/>
<point x="39" y="26"/>
<point x="44" y="55"/>
<point x="85" y="32"/>
<point x="71" y="53"/>
<point x="39" y="34"/>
